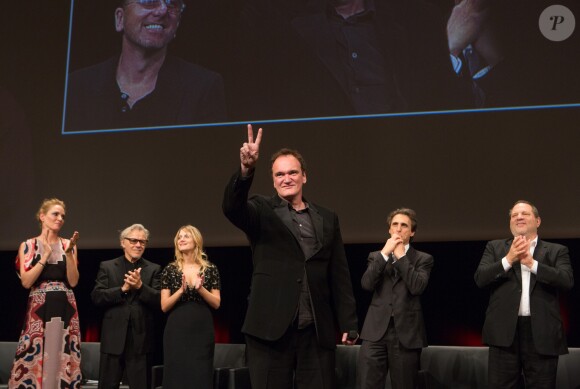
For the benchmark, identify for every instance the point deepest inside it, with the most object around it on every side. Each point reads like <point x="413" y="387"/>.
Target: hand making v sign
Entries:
<point x="250" y="150"/>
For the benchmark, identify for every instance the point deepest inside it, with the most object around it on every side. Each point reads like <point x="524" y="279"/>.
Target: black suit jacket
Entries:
<point x="399" y="297"/>
<point x="554" y="275"/>
<point x="279" y="266"/>
<point x="136" y="307"/>
<point x="291" y="60"/>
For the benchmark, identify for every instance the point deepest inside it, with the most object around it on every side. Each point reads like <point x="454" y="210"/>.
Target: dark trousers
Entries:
<point x="377" y="358"/>
<point x="112" y="367"/>
<point x="294" y="361"/>
<point x="506" y="364"/>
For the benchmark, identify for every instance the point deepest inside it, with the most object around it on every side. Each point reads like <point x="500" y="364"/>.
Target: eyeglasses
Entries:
<point x="135" y="241"/>
<point x="174" y="7"/>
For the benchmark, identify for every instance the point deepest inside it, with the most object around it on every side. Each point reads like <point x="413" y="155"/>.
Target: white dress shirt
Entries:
<point x="526" y="274"/>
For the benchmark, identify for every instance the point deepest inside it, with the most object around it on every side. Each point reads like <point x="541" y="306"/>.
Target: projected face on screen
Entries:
<point x="143" y="86"/>
<point x="305" y="60"/>
<point x="148" y="25"/>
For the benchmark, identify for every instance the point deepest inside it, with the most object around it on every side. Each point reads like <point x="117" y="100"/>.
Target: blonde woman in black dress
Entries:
<point x="190" y="286"/>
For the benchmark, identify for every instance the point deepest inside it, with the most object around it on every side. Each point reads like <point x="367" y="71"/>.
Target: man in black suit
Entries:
<point x="301" y="281"/>
<point x="523" y="327"/>
<point x="394" y="332"/>
<point x="128" y="288"/>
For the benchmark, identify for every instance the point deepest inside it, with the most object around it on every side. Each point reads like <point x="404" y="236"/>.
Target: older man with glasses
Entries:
<point x="144" y="86"/>
<point x="128" y="288"/>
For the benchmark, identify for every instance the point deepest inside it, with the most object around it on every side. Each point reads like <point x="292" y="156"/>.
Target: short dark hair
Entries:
<point x="407" y="212"/>
<point x="534" y="209"/>
<point x="292" y="152"/>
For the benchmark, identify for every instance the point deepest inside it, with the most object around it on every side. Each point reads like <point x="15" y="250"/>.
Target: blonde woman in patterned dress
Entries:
<point x="48" y="353"/>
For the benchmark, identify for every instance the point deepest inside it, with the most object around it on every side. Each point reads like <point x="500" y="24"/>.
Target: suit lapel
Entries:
<point x="516" y="267"/>
<point x="145" y="275"/>
<point x="318" y="223"/>
<point x="539" y="255"/>
<point x="120" y="270"/>
<point x="281" y="210"/>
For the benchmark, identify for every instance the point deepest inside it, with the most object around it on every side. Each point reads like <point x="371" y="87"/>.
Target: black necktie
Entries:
<point x="395" y="273"/>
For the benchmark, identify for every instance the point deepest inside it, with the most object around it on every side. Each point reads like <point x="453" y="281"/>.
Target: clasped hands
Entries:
<point x="132" y="280"/>
<point x="197" y="283"/>
<point x="47" y="250"/>
<point x="520" y="251"/>
<point x="394" y="245"/>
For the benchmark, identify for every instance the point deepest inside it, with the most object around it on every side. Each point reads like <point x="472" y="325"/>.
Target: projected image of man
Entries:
<point x="345" y="57"/>
<point x="491" y="42"/>
<point x="144" y="86"/>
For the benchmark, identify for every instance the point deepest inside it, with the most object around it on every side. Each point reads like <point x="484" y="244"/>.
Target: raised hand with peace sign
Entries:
<point x="250" y="151"/>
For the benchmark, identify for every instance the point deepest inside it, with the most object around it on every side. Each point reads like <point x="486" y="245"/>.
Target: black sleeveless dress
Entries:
<point x="188" y="340"/>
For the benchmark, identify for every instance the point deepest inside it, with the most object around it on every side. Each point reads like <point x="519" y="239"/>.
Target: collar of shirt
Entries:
<point x="368" y="11"/>
<point x="393" y="253"/>
<point x="533" y="245"/>
<point x="406" y="249"/>
<point x="291" y="208"/>
<point x="133" y="265"/>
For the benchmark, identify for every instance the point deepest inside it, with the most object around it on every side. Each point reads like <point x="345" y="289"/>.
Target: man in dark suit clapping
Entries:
<point x="523" y="327"/>
<point x="128" y="288"/>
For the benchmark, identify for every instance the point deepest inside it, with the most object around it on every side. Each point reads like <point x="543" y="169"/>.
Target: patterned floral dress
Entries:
<point x="188" y="340"/>
<point x="48" y="354"/>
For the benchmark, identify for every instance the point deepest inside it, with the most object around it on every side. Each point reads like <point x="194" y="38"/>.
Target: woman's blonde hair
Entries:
<point x="46" y="205"/>
<point x="199" y="256"/>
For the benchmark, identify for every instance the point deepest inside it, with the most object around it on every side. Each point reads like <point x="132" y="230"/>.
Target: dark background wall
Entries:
<point x="453" y="305"/>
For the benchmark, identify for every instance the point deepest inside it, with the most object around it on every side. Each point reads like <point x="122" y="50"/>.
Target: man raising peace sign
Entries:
<point x="300" y="282"/>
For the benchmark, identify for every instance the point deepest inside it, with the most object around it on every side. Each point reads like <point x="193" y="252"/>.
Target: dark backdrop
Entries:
<point x="453" y="305"/>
